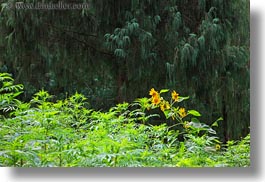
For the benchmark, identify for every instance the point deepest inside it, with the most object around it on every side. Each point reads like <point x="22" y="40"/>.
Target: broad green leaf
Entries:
<point x="194" y="113"/>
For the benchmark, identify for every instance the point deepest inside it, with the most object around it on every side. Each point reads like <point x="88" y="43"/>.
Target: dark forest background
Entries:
<point x="117" y="50"/>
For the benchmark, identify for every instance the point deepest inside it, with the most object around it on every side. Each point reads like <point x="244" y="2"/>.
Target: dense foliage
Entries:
<point x="68" y="133"/>
<point x="106" y="51"/>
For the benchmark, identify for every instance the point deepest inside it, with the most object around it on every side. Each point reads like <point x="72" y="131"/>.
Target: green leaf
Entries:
<point x="194" y="113"/>
<point x="180" y="99"/>
<point x="195" y="120"/>
<point x="163" y="91"/>
<point x="216" y="122"/>
<point x="166" y="112"/>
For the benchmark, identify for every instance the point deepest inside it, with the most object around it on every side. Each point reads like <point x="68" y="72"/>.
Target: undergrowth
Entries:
<point x="68" y="133"/>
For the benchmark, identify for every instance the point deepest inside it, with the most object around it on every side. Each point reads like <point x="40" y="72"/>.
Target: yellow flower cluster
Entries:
<point x="155" y="96"/>
<point x="175" y="96"/>
<point x="182" y="112"/>
<point x="164" y="105"/>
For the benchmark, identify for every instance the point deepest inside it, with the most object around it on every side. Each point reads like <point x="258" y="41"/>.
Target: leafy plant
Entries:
<point x="67" y="133"/>
<point x="8" y="93"/>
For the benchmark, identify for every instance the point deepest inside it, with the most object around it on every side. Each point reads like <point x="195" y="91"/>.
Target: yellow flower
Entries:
<point x="182" y="112"/>
<point x="153" y="93"/>
<point x="162" y="107"/>
<point x="165" y="106"/>
<point x="175" y="96"/>
<point x="156" y="100"/>
<point x="217" y="147"/>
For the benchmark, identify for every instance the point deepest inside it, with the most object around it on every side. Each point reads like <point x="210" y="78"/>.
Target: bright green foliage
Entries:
<point x="67" y="133"/>
<point x="8" y="93"/>
<point x="116" y="50"/>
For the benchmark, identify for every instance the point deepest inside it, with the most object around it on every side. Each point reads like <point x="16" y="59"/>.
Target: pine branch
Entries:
<point x="85" y="43"/>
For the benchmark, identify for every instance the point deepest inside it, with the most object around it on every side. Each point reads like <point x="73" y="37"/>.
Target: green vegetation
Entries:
<point x="69" y="133"/>
<point x="85" y="75"/>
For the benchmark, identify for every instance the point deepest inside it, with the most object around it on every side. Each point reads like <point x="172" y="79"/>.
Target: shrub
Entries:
<point x="68" y="133"/>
